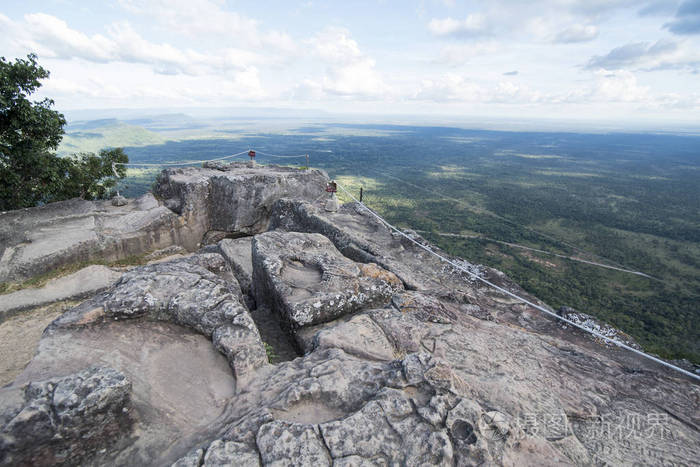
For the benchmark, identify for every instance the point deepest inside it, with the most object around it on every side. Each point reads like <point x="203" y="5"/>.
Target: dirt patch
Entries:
<point x="543" y="262"/>
<point x="20" y="335"/>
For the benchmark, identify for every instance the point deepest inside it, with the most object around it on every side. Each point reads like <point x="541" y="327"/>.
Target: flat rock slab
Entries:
<point x="36" y="240"/>
<point x="308" y="281"/>
<point x="82" y="283"/>
<point x="359" y="336"/>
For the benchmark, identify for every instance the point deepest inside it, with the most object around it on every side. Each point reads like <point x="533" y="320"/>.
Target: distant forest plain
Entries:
<point x="629" y="200"/>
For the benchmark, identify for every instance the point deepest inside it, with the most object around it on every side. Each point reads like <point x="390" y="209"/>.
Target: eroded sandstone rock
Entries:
<point x="234" y="197"/>
<point x="306" y="279"/>
<point x="63" y="420"/>
<point x="198" y="292"/>
<point x="37" y="240"/>
<point x="449" y="372"/>
<point x="83" y="283"/>
<point x="355" y="412"/>
<point x="239" y="253"/>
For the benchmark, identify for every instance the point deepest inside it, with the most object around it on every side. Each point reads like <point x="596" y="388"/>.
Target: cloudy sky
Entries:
<point x="626" y="59"/>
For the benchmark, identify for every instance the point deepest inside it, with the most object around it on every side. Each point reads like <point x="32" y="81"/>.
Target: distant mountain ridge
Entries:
<point x="91" y="136"/>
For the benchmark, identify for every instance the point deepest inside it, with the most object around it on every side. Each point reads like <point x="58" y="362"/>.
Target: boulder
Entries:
<point x="234" y="197"/>
<point x="308" y="281"/>
<point x="63" y="420"/>
<point x="119" y="200"/>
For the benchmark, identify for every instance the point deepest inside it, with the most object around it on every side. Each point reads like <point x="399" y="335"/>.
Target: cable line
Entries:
<point x="523" y="247"/>
<point x="281" y="157"/>
<point x="172" y="163"/>
<point x="144" y="164"/>
<point x="517" y="297"/>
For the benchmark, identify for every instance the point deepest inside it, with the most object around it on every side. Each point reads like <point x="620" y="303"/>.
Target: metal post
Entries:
<point x="307" y="161"/>
<point x="360" y="194"/>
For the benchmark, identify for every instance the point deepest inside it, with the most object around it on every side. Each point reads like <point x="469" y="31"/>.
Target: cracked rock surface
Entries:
<point x="401" y="359"/>
<point x="233" y="197"/>
<point x="197" y="292"/>
<point x="63" y="420"/>
<point x="309" y="281"/>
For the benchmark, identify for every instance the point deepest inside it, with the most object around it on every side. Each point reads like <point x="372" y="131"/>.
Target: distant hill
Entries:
<point x="91" y="136"/>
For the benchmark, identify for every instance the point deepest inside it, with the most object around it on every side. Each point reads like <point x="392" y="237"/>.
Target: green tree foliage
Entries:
<point x="92" y="176"/>
<point x="30" y="131"/>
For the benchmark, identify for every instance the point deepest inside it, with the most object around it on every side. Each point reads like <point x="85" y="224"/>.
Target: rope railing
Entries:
<point x="544" y="252"/>
<point x="163" y="164"/>
<point x="175" y="163"/>
<point x="515" y="296"/>
<point x="281" y="156"/>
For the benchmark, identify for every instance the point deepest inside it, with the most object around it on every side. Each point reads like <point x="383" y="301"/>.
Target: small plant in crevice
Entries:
<point x="271" y="355"/>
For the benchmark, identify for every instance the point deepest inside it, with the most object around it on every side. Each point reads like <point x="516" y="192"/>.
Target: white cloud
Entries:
<point x="619" y="86"/>
<point x="473" y="25"/>
<point x="139" y="84"/>
<point x="606" y="88"/>
<point x="449" y="87"/>
<point x="577" y="33"/>
<point x="349" y="72"/>
<point x="564" y="21"/>
<point x="210" y="19"/>
<point x="452" y="87"/>
<point x="55" y="35"/>
<point x="335" y="45"/>
<point x="461" y="53"/>
<point x="195" y="17"/>
<point x="661" y="55"/>
<point x="52" y="37"/>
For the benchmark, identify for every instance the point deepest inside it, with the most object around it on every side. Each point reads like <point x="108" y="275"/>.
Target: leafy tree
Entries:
<point x="30" y="172"/>
<point x="92" y="176"/>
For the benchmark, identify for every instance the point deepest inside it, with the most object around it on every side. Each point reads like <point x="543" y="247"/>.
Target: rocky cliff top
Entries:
<point x="294" y="335"/>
